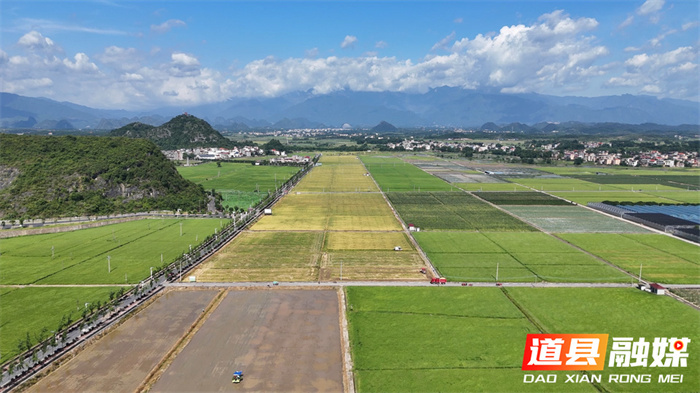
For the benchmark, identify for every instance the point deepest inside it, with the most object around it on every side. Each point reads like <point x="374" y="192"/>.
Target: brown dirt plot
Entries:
<point x="283" y="340"/>
<point x="120" y="361"/>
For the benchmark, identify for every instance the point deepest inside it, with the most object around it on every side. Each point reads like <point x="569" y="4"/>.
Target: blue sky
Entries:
<point x="144" y="54"/>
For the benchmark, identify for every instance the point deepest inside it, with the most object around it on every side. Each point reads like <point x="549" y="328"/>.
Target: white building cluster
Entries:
<point x="647" y="158"/>
<point x="215" y="153"/>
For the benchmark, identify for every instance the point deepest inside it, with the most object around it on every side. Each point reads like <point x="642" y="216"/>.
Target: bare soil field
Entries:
<point x="283" y="341"/>
<point x="120" y="361"/>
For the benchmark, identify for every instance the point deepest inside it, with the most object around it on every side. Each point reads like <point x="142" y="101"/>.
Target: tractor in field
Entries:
<point x="237" y="377"/>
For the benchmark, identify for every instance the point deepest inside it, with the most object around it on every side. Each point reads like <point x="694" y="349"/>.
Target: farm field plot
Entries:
<point x="372" y="265"/>
<point x="491" y="187"/>
<point x="392" y="174"/>
<point x="120" y="361"/>
<point x="452" y="211"/>
<point x="512" y="257"/>
<point x="241" y="184"/>
<point x="520" y="198"/>
<point x="394" y="333"/>
<point x="678" y="196"/>
<point x="30" y="310"/>
<point x="337" y="174"/>
<point x="337" y="211"/>
<point x="80" y="257"/>
<point x="663" y="181"/>
<point x="663" y="259"/>
<point x="578" y="310"/>
<point x="366" y="241"/>
<point x="265" y="256"/>
<point x="570" y="219"/>
<point x="562" y="184"/>
<point x="284" y="341"/>
<point x="430" y="339"/>
<point x="302" y="256"/>
<point x="587" y="170"/>
<point x="584" y="197"/>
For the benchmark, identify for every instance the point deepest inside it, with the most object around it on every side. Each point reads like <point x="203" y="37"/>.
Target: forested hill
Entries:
<point x="183" y="131"/>
<point x="43" y="177"/>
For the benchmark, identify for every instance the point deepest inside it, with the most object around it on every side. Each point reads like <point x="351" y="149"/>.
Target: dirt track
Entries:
<point x="120" y="361"/>
<point x="284" y="341"/>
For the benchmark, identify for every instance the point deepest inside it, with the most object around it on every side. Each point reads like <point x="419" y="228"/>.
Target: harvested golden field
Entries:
<point x="340" y="212"/>
<point x="338" y="174"/>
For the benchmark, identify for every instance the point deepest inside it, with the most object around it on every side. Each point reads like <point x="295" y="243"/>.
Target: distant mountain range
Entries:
<point x="445" y="106"/>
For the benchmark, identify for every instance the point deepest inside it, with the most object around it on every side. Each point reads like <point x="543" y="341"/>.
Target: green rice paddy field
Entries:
<point x="456" y="339"/>
<point x="393" y="174"/>
<point x="29" y="310"/>
<point x="241" y="184"/>
<point x="452" y="211"/>
<point x="662" y="258"/>
<point x="80" y="257"/>
<point x="491" y="187"/>
<point x="512" y="257"/>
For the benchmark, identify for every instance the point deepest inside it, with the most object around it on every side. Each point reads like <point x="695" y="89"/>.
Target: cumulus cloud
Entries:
<point x="184" y="64"/>
<point x="167" y="26"/>
<point x="669" y="74"/>
<point x="348" y="42"/>
<point x="381" y="45"/>
<point x="82" y="63"/>
<point x="35" y="41"/>
<point x="551" y="53"/>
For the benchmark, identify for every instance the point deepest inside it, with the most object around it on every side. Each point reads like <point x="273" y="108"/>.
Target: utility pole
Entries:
<point x="341" y="270"/>
<point x="640" y="273"/>
<point x="496" y="271"/>
<point x="180" y="229"/>
<point x="109" y="265"/>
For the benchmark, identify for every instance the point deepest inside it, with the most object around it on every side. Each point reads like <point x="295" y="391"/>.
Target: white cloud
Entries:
<point x="46" y="25"/>
<point x="120" y="58"/>
<point x="626" y="22"/>
<point x="650" y="7"/>
<point x="458" y="20"/>
<point x="35" y="41"/>
<point x="184" y="64"/>
<point x="444" y="43"/>
<point x="668" y="74"/>
<point x="184" y="60"/>
<point x="381" y="45"/>
<point x="3" y="57"/>
<point x="24" y="85"/>
<point x="348" y="42"/>
<point x="132" y="77"/>
<point x="690" y="25"/>
<point x="656" y="41"/>
<point x="82" y="63"/>
<point x="167" y="26"/>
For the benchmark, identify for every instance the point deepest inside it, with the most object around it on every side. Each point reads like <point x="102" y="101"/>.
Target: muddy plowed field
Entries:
<point x="283" y="340"/>
<point x="120" y="361"/>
